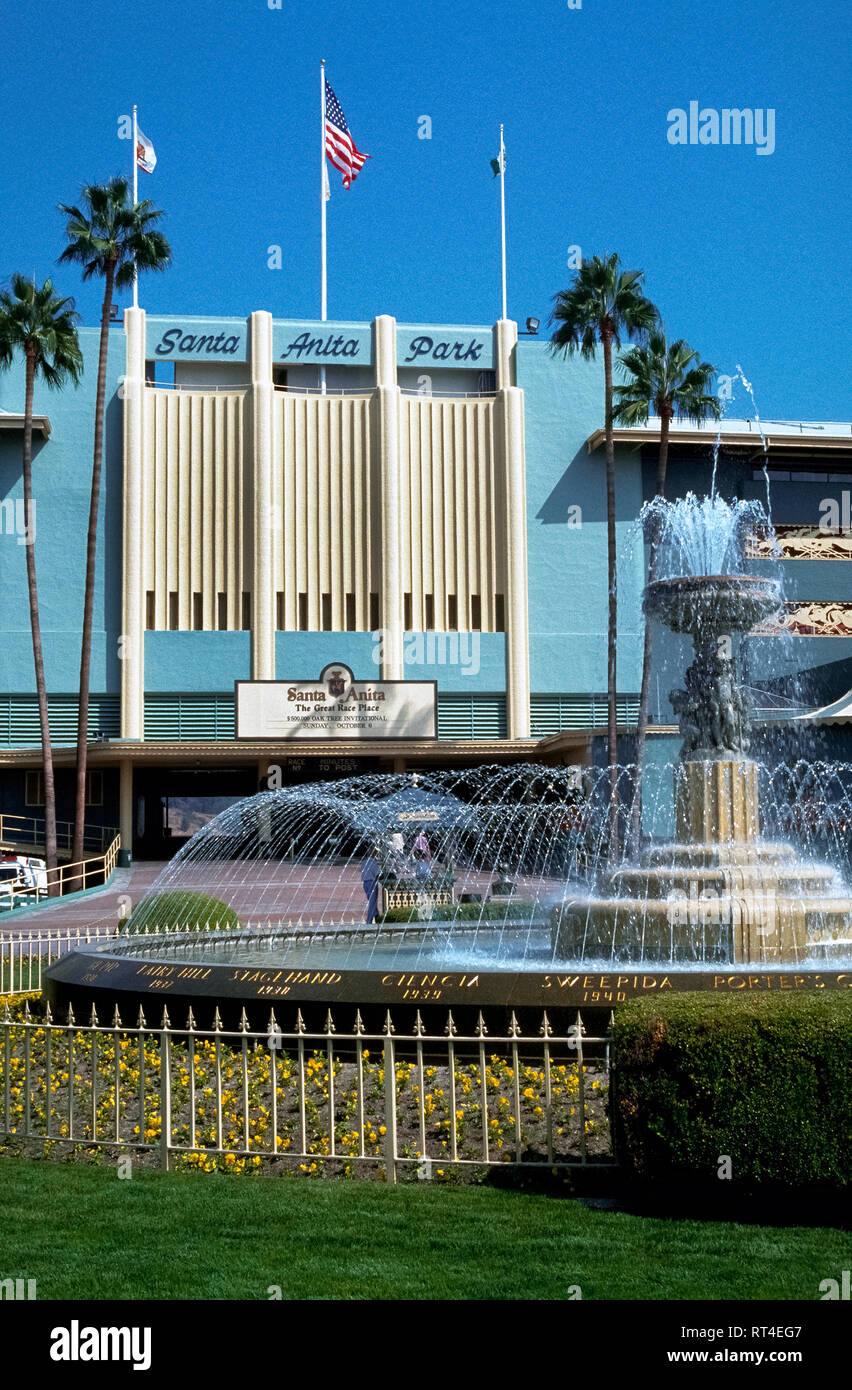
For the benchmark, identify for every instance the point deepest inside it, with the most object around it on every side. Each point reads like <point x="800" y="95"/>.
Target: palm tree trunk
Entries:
<point x="91" y="558"/>
<point x="645" y="690"/>
<point x="35" y="624"/>
<point x="612" y="625"/>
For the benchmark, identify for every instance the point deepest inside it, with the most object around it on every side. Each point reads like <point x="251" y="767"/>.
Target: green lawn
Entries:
<point x="84" y="1234"/>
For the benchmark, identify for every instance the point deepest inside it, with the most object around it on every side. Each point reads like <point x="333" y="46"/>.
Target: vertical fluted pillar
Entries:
<point x="510" y="428"/>
<point x="263" y="602"/>
<point x="387" y="407"/>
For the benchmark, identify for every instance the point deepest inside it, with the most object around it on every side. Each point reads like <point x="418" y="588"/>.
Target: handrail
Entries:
<point x="70" y="878"/>
<point x="337" y="391"/>
<point x="99" y="866"/>
<point x="198" y="386"/>
<point x="413" y="393"/>
<point x="31" y="830"/>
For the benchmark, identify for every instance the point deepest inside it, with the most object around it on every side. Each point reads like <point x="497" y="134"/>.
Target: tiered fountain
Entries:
<point x="746" y="900"/>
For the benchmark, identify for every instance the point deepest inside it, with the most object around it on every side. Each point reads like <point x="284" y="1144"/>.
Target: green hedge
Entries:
<point x="766" y="1080"/>
<point x="465" y="912"/>
<point x="181" y="910"/>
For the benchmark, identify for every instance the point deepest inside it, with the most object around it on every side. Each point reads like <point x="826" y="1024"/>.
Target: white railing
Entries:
<point x="24" y="957"/>
<point x="198" y="386"/>
<point x="448" y="395"/>
<point x="401" y="1104"/>
<point x="93" y="872"/>
<point x="364" y="392"/>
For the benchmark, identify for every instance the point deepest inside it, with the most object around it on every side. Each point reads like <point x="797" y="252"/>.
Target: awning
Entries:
<point x="8" y="421"/>
<point x="840" y="712"/>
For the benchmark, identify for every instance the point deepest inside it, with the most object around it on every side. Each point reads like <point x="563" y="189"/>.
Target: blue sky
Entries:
<point x="746" y="255"/>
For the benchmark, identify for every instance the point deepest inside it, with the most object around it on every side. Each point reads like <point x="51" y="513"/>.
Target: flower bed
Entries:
<point x="270" y="1103"/>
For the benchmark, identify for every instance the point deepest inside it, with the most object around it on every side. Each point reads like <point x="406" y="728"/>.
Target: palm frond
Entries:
<point x="110" y="234"/>
<point x="603" y="301"/>
<point x="39" y="321"/>
<point x="666" y="379"/>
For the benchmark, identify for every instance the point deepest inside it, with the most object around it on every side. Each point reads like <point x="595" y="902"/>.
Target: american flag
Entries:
<point x="339" y="145"/>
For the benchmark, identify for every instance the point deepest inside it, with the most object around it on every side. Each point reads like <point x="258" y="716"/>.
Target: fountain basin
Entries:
<point x="407" y="972"/>
<point x="712" y="603"/>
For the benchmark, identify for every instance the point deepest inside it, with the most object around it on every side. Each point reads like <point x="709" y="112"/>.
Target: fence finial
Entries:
<point x="451" y="1028"/>
<point x="481" y="1030"/>
<point x="359" y="1022"/>
<point x="217" y="1020"/>
<point x="418" y="1025"/>
<point x="140" y="1021"/>
<point x="300" y="1022"/>
<point x="166" y="1023"/>
<point x="514" y="1026"/>
<point x="116" y="1017"/>
<point x="244" y="1024"/>
<point x="388" y="1028"/>
<point x="545" y="1030"/>
<point x="190" y="1020"/>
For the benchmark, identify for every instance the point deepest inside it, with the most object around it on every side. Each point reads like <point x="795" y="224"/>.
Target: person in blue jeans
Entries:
<point x="370" y="872"/>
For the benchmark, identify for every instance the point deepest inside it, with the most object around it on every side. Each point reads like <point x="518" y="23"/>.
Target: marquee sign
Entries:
<point x="337" y="706"/>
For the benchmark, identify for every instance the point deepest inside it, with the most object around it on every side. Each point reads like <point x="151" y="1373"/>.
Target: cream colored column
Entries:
<point x="263" y="602"/>
<point x="125" y="811"/>
<point x="510" y="423"/>
<point x="387" y="440"/>
<point x="132" y="642"/>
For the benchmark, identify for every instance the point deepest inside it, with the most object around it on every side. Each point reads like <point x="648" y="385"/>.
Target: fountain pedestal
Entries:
<point x="719" y="893"/>
<point x="717" y="802"/>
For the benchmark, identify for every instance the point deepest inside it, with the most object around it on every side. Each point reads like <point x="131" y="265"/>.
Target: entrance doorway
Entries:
<point x="171" y="803"/>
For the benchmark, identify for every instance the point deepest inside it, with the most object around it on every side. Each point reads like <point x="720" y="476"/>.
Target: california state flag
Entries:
<point x="145" y="156"/>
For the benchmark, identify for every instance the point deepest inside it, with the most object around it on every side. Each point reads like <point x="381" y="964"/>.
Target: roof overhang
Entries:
<point x="210" y="752"/>
<point x="806" y="438"/>
<point x="41" y="424"/>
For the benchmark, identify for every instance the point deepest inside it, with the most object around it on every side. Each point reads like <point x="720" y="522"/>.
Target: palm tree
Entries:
<point x="668" y="381"/>
<point x="110" y="236"/>
<point x="37" y="323"/>
<point x="603" y="304"/>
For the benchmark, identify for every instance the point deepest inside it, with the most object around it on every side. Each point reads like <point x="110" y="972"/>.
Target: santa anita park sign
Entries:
<point x="316" y="343"/>
<point x="335" y="706"/>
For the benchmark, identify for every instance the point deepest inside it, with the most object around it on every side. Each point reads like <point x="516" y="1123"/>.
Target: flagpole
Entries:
<point x="135" y="200"/>
<point x="324" y="283"/>
<point x="503" y="214"/>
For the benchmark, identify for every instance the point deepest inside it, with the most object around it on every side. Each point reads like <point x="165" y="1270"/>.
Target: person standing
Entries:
<point x="396" y="853"/>
<point x="370" y="877"/>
